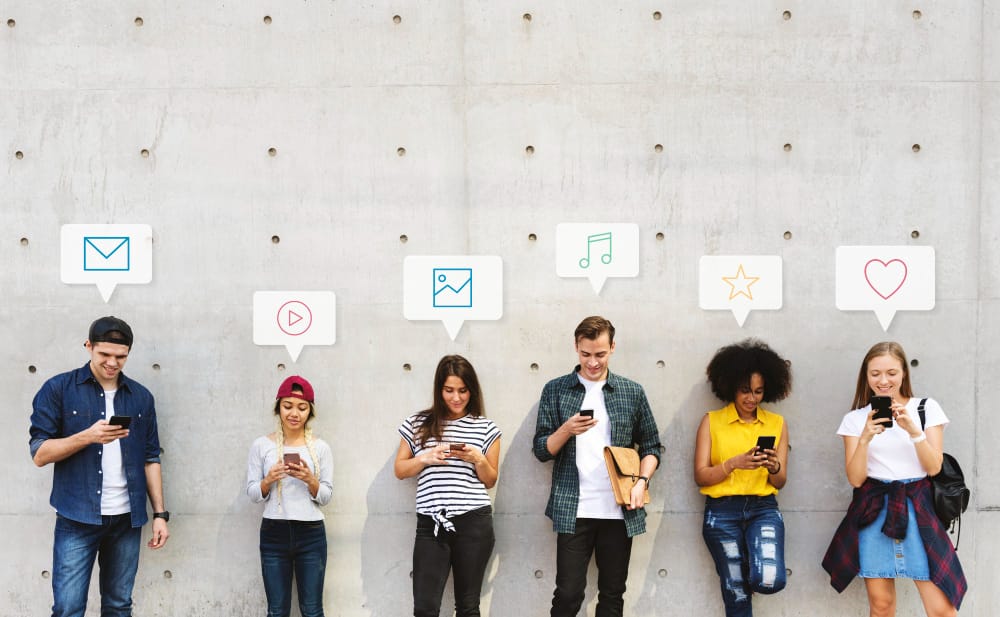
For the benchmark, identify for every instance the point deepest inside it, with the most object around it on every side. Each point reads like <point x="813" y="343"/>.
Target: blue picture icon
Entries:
<point x="452" y="288"/>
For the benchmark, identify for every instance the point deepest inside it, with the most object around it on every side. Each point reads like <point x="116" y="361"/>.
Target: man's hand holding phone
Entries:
<point x="103" y="432"/>
<point x="581" y="422"/>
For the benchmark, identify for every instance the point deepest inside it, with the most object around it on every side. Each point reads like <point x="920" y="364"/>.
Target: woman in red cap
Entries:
<point x="292" y="473"/>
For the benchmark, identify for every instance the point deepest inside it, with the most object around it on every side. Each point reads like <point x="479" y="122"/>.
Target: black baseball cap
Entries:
<point x="110" y="330"/>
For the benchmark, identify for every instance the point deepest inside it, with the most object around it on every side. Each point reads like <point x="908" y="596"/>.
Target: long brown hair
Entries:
<point x="863" y="393"/>
<point x="457" y="366"/>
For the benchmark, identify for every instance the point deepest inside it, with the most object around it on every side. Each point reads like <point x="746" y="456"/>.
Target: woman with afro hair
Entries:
<point x="743" y="527"/>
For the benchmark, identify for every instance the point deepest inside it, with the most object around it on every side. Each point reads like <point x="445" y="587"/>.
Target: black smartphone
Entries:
<point x="883" y="410"/>
<point x="765" y="442"/>
<point x="122" y="421"/>
<point x="587" y="413"/>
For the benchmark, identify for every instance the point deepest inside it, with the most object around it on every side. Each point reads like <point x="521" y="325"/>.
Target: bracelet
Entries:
<point x="724" y="468"/>
<point x="921" y="437"/>
<point x="776" y="470"/>
<point x="643" y="478"/>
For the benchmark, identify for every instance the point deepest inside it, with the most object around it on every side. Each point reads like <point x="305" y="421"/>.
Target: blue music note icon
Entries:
<point x="595" y="239"/>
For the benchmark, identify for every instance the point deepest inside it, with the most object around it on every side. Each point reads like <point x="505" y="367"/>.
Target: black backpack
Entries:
<point x="951" y="496"/>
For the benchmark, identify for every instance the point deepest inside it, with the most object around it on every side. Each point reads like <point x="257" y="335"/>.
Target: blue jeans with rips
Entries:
<point x="746" y="536"/>
<point x="290" y="548"/>
<point x="115" y="545"/>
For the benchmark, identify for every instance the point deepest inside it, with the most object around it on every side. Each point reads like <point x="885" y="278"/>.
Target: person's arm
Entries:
<point x="487" y="464"/>
<point x="856" y="451"/>
<point x="551" y="434"/>
<point x="705" y="473"/>
<point x="930" y="450"/>
<point x="55" y="449"/>
<point x="647" y="438"/>
<point x="154" y="488"/>
<point x="647" y="467"/>
<point x="407" y="465"/>
<point x="777" y="460"/>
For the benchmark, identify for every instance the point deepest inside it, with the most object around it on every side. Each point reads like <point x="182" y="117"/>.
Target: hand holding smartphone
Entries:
<point x="883" y="410"/>
<point x="587" y="413"/>
<point x="456" y="447"/>
<point x="292" y="458"/>
<point x="121" y="421"/>
<point x="765" y="442"/>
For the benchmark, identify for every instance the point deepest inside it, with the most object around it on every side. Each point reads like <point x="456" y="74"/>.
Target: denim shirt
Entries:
<point x="71" y="402"/>
<point x="632" y="425"/>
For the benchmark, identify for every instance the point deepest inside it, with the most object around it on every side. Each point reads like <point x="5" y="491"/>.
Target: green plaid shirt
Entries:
<point x="632" y="424"/>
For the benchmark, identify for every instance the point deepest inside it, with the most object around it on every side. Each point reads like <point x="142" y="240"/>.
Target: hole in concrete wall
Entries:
<point x="660" y="364"/>
<point x="787" y="147"/>
<point x="916" y="147"/>
<point x="19" y="155"/>
<point x="526" y="17"/>
<point x="786" y="15"/>
<point x="24" y="242"/>
<point x="658" y="148"/>
<point x="788" y="235"/>
<point x="162" y="451"/>
<point x="532" y="237"/>
<point x="914" y="362"/>
<point x="45" y="573"/>
<point x="401" y="151"/>
<point x="267" y="19"/>
<point x="275" y="239"/>
<point x="272" y="152"/>
<point x="404" y="239"/>
<point x="144" y="153"/>
<point x="660" y="236"/>
<point x="168" y="574"/>
<point x="657" y="15"/>
<point x="539" y="574"/>
<point x="411" y="573"/>
<point x="662" y="573"/>
<point x="914" y="234"/>
<point x="407" y="367"/>
<point x="281" y="367"/>
<point x="31" y="368"/>
<point x="788" y="571"/>
<point x="156" y="367"/>
<point x="788" y="363"/>
<point x="396" y="19"/>
<point x="138" y="22"/>
<point x="11" y="23"/>
<point x="534" y="367"/>
<point x="529" y="150"/>
<point x="662" y="448"/>
<point x="917" y="14"/>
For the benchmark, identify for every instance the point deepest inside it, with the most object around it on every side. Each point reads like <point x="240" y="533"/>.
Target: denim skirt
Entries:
<point x="884" y="557"/>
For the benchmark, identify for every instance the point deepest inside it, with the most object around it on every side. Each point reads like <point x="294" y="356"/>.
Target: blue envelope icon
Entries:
<point x="106" y="253"/>
<point x="453" y="287"/>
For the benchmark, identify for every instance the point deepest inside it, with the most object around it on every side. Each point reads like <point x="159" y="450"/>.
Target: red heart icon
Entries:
<point x="884" y="277"/>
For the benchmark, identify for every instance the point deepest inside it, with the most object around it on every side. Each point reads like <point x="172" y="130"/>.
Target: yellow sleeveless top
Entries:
<point x="730" y="437"/>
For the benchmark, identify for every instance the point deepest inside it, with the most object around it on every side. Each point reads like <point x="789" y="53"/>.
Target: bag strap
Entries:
<point x="923" y="421"/>
<point x="923" y="416"/>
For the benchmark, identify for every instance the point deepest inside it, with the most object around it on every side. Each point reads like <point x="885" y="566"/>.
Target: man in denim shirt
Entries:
<point x="579" y="414"/>
<point x="103" y="472"/>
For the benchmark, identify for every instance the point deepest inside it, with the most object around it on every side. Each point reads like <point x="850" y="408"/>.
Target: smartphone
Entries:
<point x="587" y="413"/>
<point x="292" y="458"/>
<point x="883" y="410"/>
<point x="765" y="442"/>
<point x="122" y="421"/>
<point x="456" y="447"/>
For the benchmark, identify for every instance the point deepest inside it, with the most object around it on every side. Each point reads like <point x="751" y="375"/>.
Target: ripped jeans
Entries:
<point x="746" y="536"/>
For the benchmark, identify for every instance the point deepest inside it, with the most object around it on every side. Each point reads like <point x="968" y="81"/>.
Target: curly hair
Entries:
<point x="732" y="367"/>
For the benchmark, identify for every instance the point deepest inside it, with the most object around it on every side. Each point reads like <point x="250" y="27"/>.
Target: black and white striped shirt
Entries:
<point x="454" y="487"/>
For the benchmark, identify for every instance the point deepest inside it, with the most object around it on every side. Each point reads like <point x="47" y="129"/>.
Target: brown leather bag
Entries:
<point x="623" y="469"/>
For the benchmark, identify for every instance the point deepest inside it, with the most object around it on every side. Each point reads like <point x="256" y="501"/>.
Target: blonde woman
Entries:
<point x="291" y="472"/>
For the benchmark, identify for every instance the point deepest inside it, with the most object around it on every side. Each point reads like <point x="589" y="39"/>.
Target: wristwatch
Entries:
<point x="643" y="478"/>
<point x="164" y="515"/>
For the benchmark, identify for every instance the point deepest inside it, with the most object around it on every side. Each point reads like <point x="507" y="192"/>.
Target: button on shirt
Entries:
<point x="71" y="402"/>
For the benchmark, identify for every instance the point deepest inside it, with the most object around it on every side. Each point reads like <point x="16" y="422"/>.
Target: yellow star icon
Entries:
<point x="740" y="284"/>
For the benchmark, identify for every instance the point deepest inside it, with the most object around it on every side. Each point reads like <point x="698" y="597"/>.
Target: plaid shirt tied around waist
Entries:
<point x="842" y="561"/>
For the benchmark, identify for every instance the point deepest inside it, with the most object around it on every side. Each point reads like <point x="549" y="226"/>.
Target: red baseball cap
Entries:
<point x="293" y="382"/>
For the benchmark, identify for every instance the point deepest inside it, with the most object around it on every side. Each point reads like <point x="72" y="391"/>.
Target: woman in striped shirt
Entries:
<point x="454" y="451"/>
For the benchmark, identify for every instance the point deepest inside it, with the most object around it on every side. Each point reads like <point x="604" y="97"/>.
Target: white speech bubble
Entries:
<point x="597" y="251"/>
<point x="885" y="279"/>
<point x="294" y="319"/>
<point x="453" y="289"/>
<point x="106" y="255"/>
<point x="739" y="283"/>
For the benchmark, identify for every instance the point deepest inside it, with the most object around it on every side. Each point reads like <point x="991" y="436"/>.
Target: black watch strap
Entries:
<point x="643" y="478"/>
<point x="164" y="515"/>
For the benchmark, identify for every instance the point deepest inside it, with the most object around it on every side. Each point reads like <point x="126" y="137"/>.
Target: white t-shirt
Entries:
<point x="597" y="499"/>
<point x="891" y="454"/>
<point x="114" y="488"/>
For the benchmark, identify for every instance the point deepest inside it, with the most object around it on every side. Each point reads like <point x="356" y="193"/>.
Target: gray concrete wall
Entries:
<point x="337" y="88"/>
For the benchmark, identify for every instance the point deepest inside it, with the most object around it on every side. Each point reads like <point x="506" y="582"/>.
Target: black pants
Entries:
<point x="465" y="552"/>
<point x="611" y="547"/>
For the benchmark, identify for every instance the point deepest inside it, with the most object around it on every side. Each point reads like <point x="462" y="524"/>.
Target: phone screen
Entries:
<point x="122" y="421"/>
<point x="882" y="406"/>
<point x="456" y="446"/>
<point x="587" y="413"/>
<point x="765" y="442"/>
<point x="293" y="458"/>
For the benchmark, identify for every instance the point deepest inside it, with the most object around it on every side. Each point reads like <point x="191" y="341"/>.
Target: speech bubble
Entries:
<point x="597" y="251"/>
<point x="453" y="289"/>
<point x="106" y="255"/>
<point x="885" y="279"/>
<point x="739" y="283"/>
<point x="294" y="319"/>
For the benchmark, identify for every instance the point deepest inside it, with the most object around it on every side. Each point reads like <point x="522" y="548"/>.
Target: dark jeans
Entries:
<point x="115" y="545"/>
<point x="746" y="536"/>
<point x="611" y="547"/>
<point x="465" y="552"/>
<point x="288" y="547"/>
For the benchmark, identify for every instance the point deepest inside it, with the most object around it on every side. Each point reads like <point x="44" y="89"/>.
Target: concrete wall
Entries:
<point x="336" y="88"/>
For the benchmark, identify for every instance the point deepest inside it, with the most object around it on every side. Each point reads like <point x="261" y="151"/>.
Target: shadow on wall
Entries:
<point x="387" y="544"/>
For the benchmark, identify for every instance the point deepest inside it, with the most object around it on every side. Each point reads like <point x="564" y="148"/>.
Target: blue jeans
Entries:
<point x="288" y="547"/>
<point x="465" y="552"/>
<point x="609" y="544"/>
<point x="746" y="536"/>
<point x="115" y="545"/>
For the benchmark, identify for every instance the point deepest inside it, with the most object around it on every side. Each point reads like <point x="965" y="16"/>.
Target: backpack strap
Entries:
<point x="923" y="416"/>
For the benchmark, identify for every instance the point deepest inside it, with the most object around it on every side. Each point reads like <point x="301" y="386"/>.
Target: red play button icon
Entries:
<point x="294" y="317"/>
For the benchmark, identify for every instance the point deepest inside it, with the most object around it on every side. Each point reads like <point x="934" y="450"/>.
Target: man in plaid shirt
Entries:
<point x="578" y="415"/>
